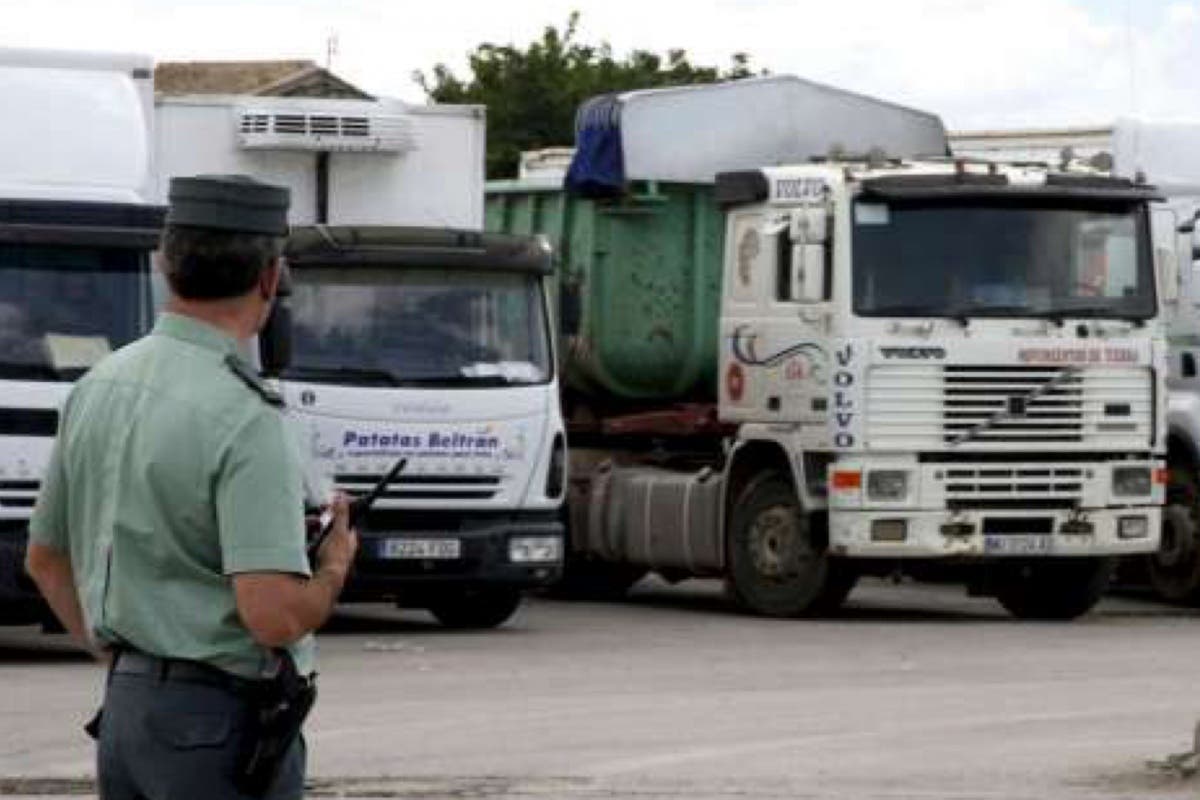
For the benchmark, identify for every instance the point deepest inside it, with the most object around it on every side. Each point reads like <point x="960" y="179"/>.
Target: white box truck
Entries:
<point x="357" y="162"/>
<point x="77" y="227"/>
<point x="412" y="335"/>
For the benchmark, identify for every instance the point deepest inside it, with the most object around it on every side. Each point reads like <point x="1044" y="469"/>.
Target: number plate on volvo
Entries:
<point x="1011" y="545"/>
<point x="441" y="549"/>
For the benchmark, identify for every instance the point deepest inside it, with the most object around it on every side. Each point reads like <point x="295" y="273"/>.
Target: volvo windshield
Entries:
<point x="418" y="327"/>
<point x="1001" y="260"/>
<point x="64" y="308"/>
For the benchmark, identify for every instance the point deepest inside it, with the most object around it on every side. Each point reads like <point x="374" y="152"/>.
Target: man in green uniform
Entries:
<point x="169" y="534"/>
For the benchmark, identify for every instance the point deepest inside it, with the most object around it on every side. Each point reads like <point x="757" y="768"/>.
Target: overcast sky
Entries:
<point x="978" y="63"/>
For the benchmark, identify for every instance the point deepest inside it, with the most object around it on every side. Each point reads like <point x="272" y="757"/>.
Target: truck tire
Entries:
<point x="476" y="609"/>
<point x="1174" y="571"/>
<point x="1054" y="589"/>
<point x="778" y="560"/>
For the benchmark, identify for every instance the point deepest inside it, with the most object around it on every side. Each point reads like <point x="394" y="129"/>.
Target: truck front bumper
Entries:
<point x="386" y="569"/>
<point x="985" y="534"/>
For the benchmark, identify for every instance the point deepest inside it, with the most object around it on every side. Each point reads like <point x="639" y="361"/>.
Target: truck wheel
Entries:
<point x="1055" y="589"/>
<point x="1174" y="570"/>
<point x="476" y="609"/>
<point x="778" y="562"/>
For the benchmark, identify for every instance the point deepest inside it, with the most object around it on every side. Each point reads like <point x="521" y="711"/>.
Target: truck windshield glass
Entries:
<point x="1001" y="260"/>
<point x="405" y="327"/>
<point x="64" y="308"/>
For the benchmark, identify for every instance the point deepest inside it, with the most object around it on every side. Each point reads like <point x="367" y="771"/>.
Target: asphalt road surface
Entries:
<point x="913" y="692"/>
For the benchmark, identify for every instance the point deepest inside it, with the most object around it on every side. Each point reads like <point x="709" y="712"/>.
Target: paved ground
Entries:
<point x="913" y="693"/>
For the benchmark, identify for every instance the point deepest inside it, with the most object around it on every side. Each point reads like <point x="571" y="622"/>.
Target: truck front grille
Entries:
<point x="19" y="494"/>
<point x="984" y="407"/>
<point x="1011" y="404"/>
<point x="1002" y="485"/>
<point x="424" y="487"/>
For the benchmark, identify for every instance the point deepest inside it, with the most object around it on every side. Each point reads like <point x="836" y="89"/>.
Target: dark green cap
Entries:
<point x="230" y="203"/>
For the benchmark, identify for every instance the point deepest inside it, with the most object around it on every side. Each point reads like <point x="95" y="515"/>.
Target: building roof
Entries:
<point x="294" y="78"/>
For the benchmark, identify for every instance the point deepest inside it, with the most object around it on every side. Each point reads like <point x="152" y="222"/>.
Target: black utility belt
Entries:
<point x="132" y="662"/>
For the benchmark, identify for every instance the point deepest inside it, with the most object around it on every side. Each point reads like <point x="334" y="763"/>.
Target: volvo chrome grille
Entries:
<point x="1012" y="404"/>
<point x="965" y="408"/>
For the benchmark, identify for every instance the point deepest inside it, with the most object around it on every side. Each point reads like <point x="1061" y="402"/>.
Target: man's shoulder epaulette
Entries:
<point x="246" y="375"/>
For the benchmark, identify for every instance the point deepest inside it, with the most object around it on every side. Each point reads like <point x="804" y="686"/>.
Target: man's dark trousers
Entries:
<point x="164" y="738"/>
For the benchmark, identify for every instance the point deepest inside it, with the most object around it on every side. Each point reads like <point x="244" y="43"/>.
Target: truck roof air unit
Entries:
<point x="263" y="129"/>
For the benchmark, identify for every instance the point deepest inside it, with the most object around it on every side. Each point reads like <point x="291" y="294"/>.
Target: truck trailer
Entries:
<point x="875" y="362"/>
<point x="411" y="335"/>
<point x="77" y="226"/>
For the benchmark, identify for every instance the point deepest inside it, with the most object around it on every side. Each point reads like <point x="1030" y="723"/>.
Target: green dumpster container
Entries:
<point x="638" y="281"/>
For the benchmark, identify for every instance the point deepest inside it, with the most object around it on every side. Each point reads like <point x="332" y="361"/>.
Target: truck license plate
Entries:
<point x="1009" y="545"/>
<point x="444" y="549"/>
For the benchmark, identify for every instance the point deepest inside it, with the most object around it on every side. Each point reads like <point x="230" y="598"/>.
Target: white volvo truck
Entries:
<point x="76" y="232"/>
<point x="411" y="335"/>
<point x="956" y="367"/>
<point x="935" y="368"/>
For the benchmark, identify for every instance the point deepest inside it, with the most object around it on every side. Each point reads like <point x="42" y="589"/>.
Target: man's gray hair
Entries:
<point x="211" y="264"/>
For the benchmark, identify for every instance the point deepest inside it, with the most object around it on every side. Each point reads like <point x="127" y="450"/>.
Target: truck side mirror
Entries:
<point x="275" y="339"/>
<point x="808" y="273"/>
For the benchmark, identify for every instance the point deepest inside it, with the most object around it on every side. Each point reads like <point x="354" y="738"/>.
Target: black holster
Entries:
<point x="278" y="708"/>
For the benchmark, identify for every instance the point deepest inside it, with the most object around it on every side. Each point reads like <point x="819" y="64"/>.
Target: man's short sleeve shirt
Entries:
<point x="171" y="474"/>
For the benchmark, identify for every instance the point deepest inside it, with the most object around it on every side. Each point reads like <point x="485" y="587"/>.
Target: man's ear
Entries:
<point x="268" y="281"/>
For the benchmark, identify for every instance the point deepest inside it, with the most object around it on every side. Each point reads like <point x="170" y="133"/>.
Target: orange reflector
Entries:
<point x="1161" y="476"/>
<point x="847" y="480"/>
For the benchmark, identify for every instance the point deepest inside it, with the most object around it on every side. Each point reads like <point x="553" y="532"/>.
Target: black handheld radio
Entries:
<point x="358" y="508"/>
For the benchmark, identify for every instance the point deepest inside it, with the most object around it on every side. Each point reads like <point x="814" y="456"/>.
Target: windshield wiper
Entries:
<point x="906" y="311"/>
<point x="373" y="376"/>
<point x="1012" y="309"/>
<point x="449" y="381"/>
<point x="957" y="315"/>
<point x="1092" y="312"/>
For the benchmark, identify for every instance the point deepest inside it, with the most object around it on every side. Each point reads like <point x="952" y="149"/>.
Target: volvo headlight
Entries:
<point x="1133" y="528"/>
<point x="887" y="484"/>
<point x="1131" y="481"/>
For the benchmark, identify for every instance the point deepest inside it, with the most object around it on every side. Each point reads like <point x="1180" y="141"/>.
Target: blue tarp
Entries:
<point x="598" y="166"/>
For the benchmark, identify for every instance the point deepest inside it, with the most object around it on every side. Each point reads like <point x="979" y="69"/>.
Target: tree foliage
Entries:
<point x="532" y="93"/>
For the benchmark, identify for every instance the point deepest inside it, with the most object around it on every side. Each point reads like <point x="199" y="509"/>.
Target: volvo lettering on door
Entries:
<point x="845" y="403"/>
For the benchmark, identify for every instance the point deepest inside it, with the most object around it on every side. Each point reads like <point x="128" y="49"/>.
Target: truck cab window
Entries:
<point x="62" y="308"/>
<point x="1002" y="260"/>
<point x="418" y="326"/>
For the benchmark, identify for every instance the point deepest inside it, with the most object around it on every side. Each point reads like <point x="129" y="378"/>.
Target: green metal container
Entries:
<point x="638" y="280"/>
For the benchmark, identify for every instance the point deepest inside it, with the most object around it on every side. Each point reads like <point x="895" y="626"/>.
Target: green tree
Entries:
<point x="531" y="94"/>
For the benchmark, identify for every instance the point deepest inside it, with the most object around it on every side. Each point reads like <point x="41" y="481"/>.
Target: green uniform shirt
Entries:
<point x="170" y="475"/>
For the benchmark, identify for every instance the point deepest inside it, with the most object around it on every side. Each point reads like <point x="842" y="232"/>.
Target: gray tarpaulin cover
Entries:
<point x="689" y="134"/>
